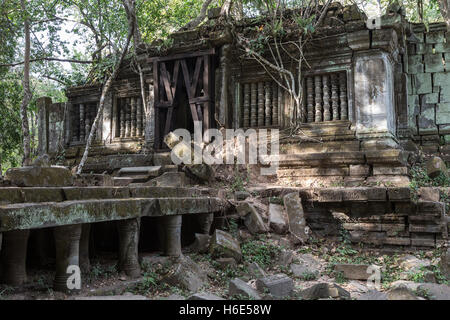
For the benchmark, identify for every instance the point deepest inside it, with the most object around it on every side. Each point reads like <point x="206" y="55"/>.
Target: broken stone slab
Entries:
<point x="325" y="290"/>
<point x="401" y="293"/>
<point x="237" y="287"/>
<point x="202" y="172"/>
<point x="54" y="176"/>
<point x="435" y="291"/>
<point x="226" y="263"/>
<point x="306" y="266"/>
<point x="412" y="264"/>
<point x="277" y="219"/>
<point x="205" y="296"/>
<point x="185" y="273"/>
<point x="256" y="271"/>
<point x="373" y="295"/>
<point x="296" y="217"/>
<point x="169" y="179"/>
<point x="436" y="166"/>
<point x="151" y="171"/>
<point x="278" y="285"/>
<point x="201" y="243"/>
<point x="174" y="297"/>
<point x="225" y="245"/>
<point x="254" y="222"/>
<point x="353" y="271"/>
<point x="121" y="297"/>
<point x="429" y="194"/>
<point x="285" y="258"/>
<point x="241" y="195"/>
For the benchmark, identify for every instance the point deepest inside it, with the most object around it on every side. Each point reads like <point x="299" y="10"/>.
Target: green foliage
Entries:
<point x="259" y="251"/>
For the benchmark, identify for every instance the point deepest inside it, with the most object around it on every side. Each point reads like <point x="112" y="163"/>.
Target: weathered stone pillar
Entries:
<point x="85" y="263"/>
<point x="173" y="235"/>
<point x="205" y="221"/>
<point x="67" y="242"/>
<point x="13" y="257"/>
<point x="374" y="100"/>
<point x="128" y="246"/>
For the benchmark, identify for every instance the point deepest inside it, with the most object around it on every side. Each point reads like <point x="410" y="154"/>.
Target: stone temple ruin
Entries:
<point x="375" y="98"/>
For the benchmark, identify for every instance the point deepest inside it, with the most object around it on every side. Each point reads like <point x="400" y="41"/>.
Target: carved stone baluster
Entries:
<point x="127" y="118"/>
<point x="275" y="104"/>
<point x="128" y="246"/>
<point x="67" y="244"/>
<point x="254" y="104"/>
<point x="82" y="123"/>
<point x="76" y="123"/>
<point x="334" y="97"/>
<point x="13" y="257"/>
<point x="310" y="98"/>
<point x="280" y="107"/>
<point x="122" y="117"/>
<point x="88" y="123"/>
<point x="318" y="98"/>
<point x="246" y="116"/>
<point x="133" y="117"/>
<point x="260" y="104"/>
<point x="139" y="117"/>
<point x="343" y="95"/>
<point x="326" y="98"/>
<point x="268" y="104"/>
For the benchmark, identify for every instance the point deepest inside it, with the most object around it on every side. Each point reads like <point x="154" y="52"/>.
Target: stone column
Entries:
<point x="173" y="235"/>
<point x="85" y="264"/>
<point x="254" y="104"/>
<point x="318" y="99"/>
<point x="128" y="246"/>
<point x="374" y="100"/>
<point x="334" y="96"/>
<point x="127" y="118"/>
<point x="343" y="95"/>
<point x="82" y="125"/>
<point x="310" y="99"/>
<point x="326" y="98"/>
<point x="139" y="117"/>
<point x="246" y="115"/>
<point x="122" y="117"/>
<point x="268" y="104"/>
<point x="275" y="104"/>
<point x="261" y="98"/>
<point x="205" y="221"/>
<point x="13" y="257"/>
<point x="133" y="117"/>
<point x="67" y="243"/>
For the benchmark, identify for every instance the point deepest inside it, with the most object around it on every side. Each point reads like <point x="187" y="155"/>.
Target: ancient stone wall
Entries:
<point x="428" y="70"/>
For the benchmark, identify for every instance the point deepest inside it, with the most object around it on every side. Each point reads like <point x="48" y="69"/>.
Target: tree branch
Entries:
<point x="47" y="59"/>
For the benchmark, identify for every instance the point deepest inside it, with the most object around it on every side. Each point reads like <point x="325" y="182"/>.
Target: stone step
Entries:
<point x="162" y="158"/>
<point x="152" y="171"/>
<point x="126" y="181"/>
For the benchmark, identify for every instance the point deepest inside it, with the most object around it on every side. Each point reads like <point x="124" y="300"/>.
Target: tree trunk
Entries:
<point x="101" y="106"/>
<point x="26" y="89"/>
<point x="444" y="5"/>
<point x="195" y="22"/>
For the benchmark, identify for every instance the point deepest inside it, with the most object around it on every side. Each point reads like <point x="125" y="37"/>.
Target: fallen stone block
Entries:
<point x="429" y="194"/>
<point x="373" y="295"/>
<point x="256" y="271"/>
<point x="241" y="195"/>
<point x="278" y="285"/>
<point x="226" y="263"/>
<point x="285" y="258"/>
<point x="205" y="296"/>
<point x="353" y="271"/>
<point x="306" y="267"/>
<point x="252" y="219"/>
<point x="237" y="287"/>
<point x="224" y="244"/>
<point x="122" y="297"/>
<point x="325" y="290"/>
<point x="169" y="179"/>
<point x="39" y="176"/>
<point x="186" y="274"/>
<point x="444" y="264"/>
<point x="436" y="166"/>
<point x="400" y="293"/>
<point x="435" y="291"/>
<point x="296" y="217"/>
<point x="277" y="219"/>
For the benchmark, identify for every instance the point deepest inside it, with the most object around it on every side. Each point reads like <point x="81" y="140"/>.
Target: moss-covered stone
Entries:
<point x="39" y="176"/>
